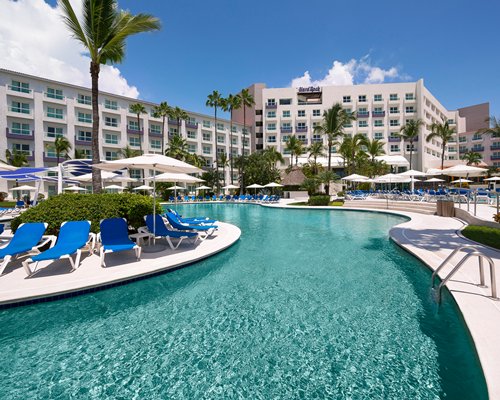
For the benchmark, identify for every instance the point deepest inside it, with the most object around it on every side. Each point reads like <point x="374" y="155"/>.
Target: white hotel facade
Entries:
<point x="382" y="109"/>
<point x="34" y="111"/>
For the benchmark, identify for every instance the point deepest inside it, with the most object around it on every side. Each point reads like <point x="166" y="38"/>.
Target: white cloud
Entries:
<point x="349" y="73"/>
<point x="35" y="40"/>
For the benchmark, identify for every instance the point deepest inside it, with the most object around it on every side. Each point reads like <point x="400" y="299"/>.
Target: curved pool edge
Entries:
<point x="52" y="284"/>
<point x="431" y="239"/>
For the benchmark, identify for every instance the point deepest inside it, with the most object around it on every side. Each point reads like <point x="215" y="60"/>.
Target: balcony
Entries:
<point x="415" y="139"/>
<point x="271" y="106"/>
<point x="301" y="129"/>
<point x="304" y="141"/>
<point x="192" y="125"/>
<point x="51" y="157"/>
<point x="378" y="114"/>
<point x="495" y="147"/>
<point x="477" y="149"/>
<point x="134" y="131"/>
<point x="20" y="112"/>
<point x="172" y="122"/>
<point x="82" y="142"/>
<point x="155" y="133"/>
<point x="492" y="157"/>
<point x="57" y="117"/>
<point x="20" y="91"/>
<point x="394" y="139"/>
<point x="363" y="114"/>
<point x="54" y="98"/>
<point x="286" y="130"/>
<point x="52" y="136"/>
<point x="20" y="134"/>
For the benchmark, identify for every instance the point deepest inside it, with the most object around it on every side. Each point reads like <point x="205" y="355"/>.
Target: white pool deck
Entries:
<point x="58" y="278"/>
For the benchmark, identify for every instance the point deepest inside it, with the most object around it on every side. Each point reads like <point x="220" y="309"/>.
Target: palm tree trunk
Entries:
<point x="96" y="173"/>
<point x="215" y="150"/>
<point x="442" y="156"/>
<point x="163" y="137"/>
<point x="243" y="148"/>
<point x="411" y="150"/>
<point x="327" y="186"/>
<point x="231" y="143"/>
<point x="139" y="131"/>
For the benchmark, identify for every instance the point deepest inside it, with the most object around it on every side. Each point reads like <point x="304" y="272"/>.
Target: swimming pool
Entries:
<point x="308" y="304"/>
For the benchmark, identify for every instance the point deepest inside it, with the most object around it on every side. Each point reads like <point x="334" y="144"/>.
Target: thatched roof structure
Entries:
<point x="294" y="178"/>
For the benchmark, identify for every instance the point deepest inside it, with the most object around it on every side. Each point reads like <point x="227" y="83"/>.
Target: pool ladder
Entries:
<point x="481" y="256"/>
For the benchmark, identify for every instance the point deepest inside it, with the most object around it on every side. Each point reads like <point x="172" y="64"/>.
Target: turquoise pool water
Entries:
<point x="308" y="304"/>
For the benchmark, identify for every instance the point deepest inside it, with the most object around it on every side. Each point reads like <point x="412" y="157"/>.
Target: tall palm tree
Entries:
<point x="215" y="100"/>
<point x="195" y="159"/>
<point x="103" y="32"/>
<point x="494" y="128"/>
<point x="247" y="100"/>
<point x="230" y="104"/>
<point x="16" y="158"/>
<point x="316" y="149"/>
<point x="61" y="145"/>
<point x="472" y="157"/>
<point x="79" y="155"/>
<point x="272" y="155"/>
<point x="128" y="152"/>
<point x="177" y="147"/>
<point x="332" y="126"/>
<point x="443" y="132"/>
<point x="410" y="132"/>
<point x="138" y="109"/>
<point x="223" y="162"/>
<point x="162" y="110"/>
<point x="179" y="115"/>
<point x="375" y="148"/>
<point x="294" y="146"/>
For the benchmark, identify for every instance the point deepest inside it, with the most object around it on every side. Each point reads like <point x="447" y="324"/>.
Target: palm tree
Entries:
<point x="79" y="154"/>
<point x="195" y="159"/>
<point x="177" y="147"/>
<point x="215" y="100"/>
<point x="229" y="104"/>
<point x="223" y="162"/>
<point x="410" y="132"/>
<point x="444" y="132"/>
<point x="103" y="32"/>
<point x="16" y="158"/>
<point x="494" y="129"/>
<point x="294" y="146"/>
<point x="351" y="146"/>
<point x="163" y="110"/>
<point x="138" y="109"/>
<point x="472" y="157"/>
<point x="316" y="149"/>
<point x="61" y="145"/>
<point x="273" y="155"/>
<point x="332" y="126"/>
<point x="179" y="115"/>
<point x="375" y="148"/>
<point x="246" y="100"/>
<point x="128" y="152"/>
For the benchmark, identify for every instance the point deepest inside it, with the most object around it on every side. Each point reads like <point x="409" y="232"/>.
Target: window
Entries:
<point x="83" y="117"/>
<point x="363" y="123"/>
<point x="271" y="139"/>
<point x="286" y="125"/>
<point x="110" y="104"/>
<point x="409" y="109"/>
<point x="258" y="112"/>
<point x="362" y="111"/>
<point x="20" y="87"/>
<point x="271" y="114"/>
<point x="207" y="136"/>
<point x="301" y="125"/>
<point x="221" y="139"/>
<point x="109" y="138"/>
<point x="301" y="113"/>
<point x="411" y="147"/>
<point x="191" y="120"/>
<point x="20" y="128"/>
<point x="284" y="138"/>
<point x="172" y="131"/>
<point x="317" y="138"/>
<point x="133" y="125"/>
<point x="135" y="173"/>
<point x="234" y="141"/>
<point x="378" y="110"/>
<point x="191" y="134"/>
<point x="55" y="113"/>
<point x="84" y="136"/>
<point x="377" y="97"/>
<point x="54" y="94"/>
<point x="153" y="128"/>
<point x="393" y="97"/>
<point x="22" y="148"/>
<point x="451" y="121"/>
<point x="23" y="108"/>
<point x="111" y="121"/>
<point x="394" y="147"/>
<point x="477" y="136"/>
<point x="134" y="141"/>
<point x="378" y="135"/>
<point x="393" y="110"/>
<point x="53" y="131"/>
<point x="346" y="99"/>
<point x="207" y="124"/>
<point x="84" y="99"/>
<point x="462" y="139"/>
<point x="285" y="102"/>
<point x="192" y="147"/>
<point x="286" y="113"/>
<point x="378" y="122"/>
<point x="271" y="127"/>
<point x="315" y="124"/>
<point x="220" y="127"/>
<point x="409" y="96"/>
<point x="111" y="155"/>
<point x="302" y="138"/>
<point x="207" y="149"/>
<point x="394" y="122"/>
<point x="362" y="98"/>
<point x="155" y="144"/>
<point x="316" y="113"/>
<point x="257" y="123"/>
<point x="271" y="102"/>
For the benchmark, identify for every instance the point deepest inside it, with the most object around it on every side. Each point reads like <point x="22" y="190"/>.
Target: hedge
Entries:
<point x="319" y="200"/>
<point x="92" y="207"/>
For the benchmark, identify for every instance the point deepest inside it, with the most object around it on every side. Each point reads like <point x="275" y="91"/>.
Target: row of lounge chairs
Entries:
<point x="238" y="198"/>
<point x="75" y="236"/>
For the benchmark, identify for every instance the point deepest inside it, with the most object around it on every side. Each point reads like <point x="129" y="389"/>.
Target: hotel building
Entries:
<point x="382" y="109"/>
<point x="34" y="111"/>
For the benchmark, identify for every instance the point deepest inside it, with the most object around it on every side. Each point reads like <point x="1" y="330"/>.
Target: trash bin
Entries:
<point x="445" y="208"/>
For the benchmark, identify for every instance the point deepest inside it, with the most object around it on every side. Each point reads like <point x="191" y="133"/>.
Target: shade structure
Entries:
<point x="359" y="180"/>
<point x="412" y="173"/>
<point x="23" y="187"/>
<point x="113" y="187"/>
<point x="397" y="161"/>
<point x="434" y="171"/>
<point x="105" y="176"/>
<point x="492" y="179"/>
<point x="273" y="185"/>
<point x="462" y="180"/>
<point x="175" y="187"/>
<point x="354" y="176"/>
<point x="6" y="167"/>
<point x="434" y="180"/>
<point x="464" y="171"/>
<point x="203" y="187"/>
<point x="255" y="186"/>
<point x="176" y="177"/>
<point x="230" y="186"/>
<point x="75" y="189"/>
<point x="143" y="187"/>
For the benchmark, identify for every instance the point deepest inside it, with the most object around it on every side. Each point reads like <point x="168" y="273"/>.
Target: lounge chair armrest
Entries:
<point x="143" y="229"/>
<point x="92" y="241"/>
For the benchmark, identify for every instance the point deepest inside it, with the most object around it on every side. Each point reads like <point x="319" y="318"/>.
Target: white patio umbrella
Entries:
<point x="255" y="186"/>
<point x="230" y="186"/>
<point x="23" y="187"/>
<point x="203" y="187"/>
<point x="412" y="173"/>
<point x="352" y="177"/>
<point x="176" y="177"/>
<point x="461" y="180"/>
<point x="143" y="187"/>
<point x="434" y="180"/>
<point x="273" y="185"/>
<point x="113" y="187"/>
<point x="155" y="162"/>
<point x="493" y="179"/>
<point x="464" y="171"/>
<point x="175" y="188"/>
<point x="75" y="189"/>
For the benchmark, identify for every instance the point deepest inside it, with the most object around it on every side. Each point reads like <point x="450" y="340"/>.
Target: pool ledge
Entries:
<point x="58" y="280"/>
<point x="431" y="239"/>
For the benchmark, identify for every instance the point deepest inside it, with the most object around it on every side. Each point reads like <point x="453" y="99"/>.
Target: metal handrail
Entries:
<point x="480" y="256"/>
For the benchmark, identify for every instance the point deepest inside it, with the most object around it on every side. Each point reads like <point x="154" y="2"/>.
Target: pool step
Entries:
<point x="417" y="207"/>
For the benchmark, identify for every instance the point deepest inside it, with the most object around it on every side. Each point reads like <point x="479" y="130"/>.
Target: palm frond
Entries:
<point x="71" y="21"/>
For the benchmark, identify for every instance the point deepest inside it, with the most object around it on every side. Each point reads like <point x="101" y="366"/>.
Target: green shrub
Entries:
<point x="483" y="234"/>
<point x="93" y="207"/>
<point x="319" y="200"/>
<point x="496" y="217"/>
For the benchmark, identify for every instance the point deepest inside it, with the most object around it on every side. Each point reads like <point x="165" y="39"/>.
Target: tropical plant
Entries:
<point x="493" y="129"/>
<point x="293" y="145"/>
<point x="444" y="132"/>
<point x="16" y="158"/>
<point x="211" y="177"/>
<point x="179" y="115"/>
<point x="247" y="100"/>
<point x="316" y="149"/>
<point x="272" y="155"/>
<point x="138" y="109"/>
<point x="409" y="132"/>
<point x="257" y="169"/>
<point x="79" y="155"/>
<point x="103" y="32"/>
<point x="61" y="145"/>
<point x="162" y="110"/>
<point x="230" y="104"/>
<point x="128" y="152"/>
<point x="374" y="148"/>
<point x="351" y="150"/>
<point x="311" y="185"/>
<point x="195" y="159"/>
<point x="472" y="157"/>
<point x="325" y="177"/>
<point x="177" y="147"/>
<point x="223" y="162"/>
<point x="332" y="126"/>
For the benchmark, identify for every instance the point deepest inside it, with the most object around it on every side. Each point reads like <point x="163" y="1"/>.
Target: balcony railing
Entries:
<point x="82" y="142"/>
<point x="20" y="134"/>
<point x="20" y="89"/>
<point x="271" y="106"/>
<point x="378" y="113"/>
<point x="286" y="130"/>
<point x="51" y="157"/>
<point x="134" y="131"/>
<point x="300" y="129"/>
<point x="172" y="122"/>
<point x="20" y="110"/>
<point x="54" y="96"/>
<point x="155" y="133"/>
<point x="477" y="149"/>
<point x="415" y="139"/>
<point x="192" y="125"/>
<point x="495" y="147"/>
<point x="394" y="139"/>
<point x="363" y="114"/>
<point x="492" y="157"/>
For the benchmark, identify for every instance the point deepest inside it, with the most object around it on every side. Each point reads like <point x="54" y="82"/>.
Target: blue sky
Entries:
<point x="227" y="45"/>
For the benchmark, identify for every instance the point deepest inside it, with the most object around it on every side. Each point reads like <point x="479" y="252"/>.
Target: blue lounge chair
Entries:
<point x="28" y="237"/>
<point x="159" y="229"/>
<point x="207" y="230"/>
<point x="114" y="238"/>
<point x="193" y="220"/>
<point x="73" y="236"/>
